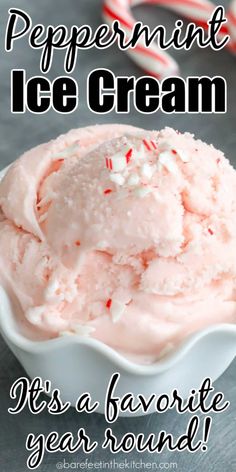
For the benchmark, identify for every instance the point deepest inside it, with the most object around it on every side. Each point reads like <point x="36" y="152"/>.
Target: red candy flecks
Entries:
<point x="107" y="191"/>
<point x="128" y="155"/>
<point x="109" y="303"/>
<point x="108" y="163"/>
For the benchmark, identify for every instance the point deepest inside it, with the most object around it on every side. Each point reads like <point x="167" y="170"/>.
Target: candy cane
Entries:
<point x="232" y="25"/>
<point x="152" y="59"/>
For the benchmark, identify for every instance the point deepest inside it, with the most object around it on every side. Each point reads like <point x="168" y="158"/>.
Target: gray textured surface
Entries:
<point x="17" y="133"/>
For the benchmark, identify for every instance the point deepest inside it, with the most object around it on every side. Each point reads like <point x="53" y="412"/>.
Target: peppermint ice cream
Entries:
<point x="121" y="234"/>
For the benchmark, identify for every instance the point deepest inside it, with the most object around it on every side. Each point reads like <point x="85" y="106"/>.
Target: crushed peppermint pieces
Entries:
<point x="210" y="231"/>
<point x="128" y="155"/>
<point x="116" y="308"/>
<point x="154" y="145"/>
<point x="149" y="144"/>
<point x="119" y="162"/>
<point x="147" y="171"/>
<point x="117" y="179"/>
<point x="166" y="160"/>
<point x="182" y="155"/>
<point x="109" y="303"/>
<point x="133" y="179"/>
<point x="122" y="175"/>
<point x="108" y="163"/>
<point x="107" y="191"/>
<point x="77" y="243"/>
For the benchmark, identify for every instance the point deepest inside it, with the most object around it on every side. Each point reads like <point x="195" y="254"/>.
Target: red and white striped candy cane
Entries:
<point x="232" y="25"/>
<point x="152" y="59"/>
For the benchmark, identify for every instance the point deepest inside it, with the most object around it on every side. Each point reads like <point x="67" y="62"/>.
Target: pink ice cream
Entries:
<point x="121" y="234"/>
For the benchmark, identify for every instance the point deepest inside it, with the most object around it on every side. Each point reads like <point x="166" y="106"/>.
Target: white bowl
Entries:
<point x="76" y="365"/>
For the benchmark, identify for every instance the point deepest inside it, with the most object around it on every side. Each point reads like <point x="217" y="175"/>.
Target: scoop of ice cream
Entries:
<point x="123" y="234"/>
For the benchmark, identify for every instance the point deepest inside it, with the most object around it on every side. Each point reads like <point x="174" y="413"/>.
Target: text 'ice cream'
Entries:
<point x="121" y="234"/>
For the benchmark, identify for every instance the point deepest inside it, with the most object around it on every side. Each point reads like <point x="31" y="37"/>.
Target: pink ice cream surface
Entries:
<point x="121" y="234"/>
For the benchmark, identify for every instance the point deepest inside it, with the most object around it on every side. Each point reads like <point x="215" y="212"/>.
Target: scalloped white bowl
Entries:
<point x="76" y="365"/>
